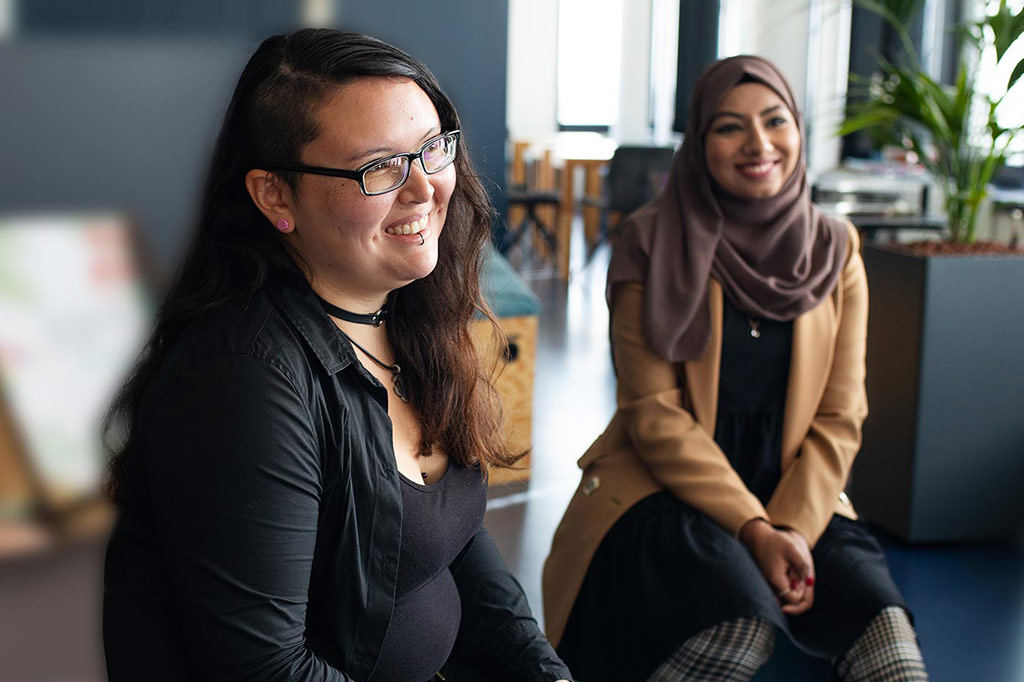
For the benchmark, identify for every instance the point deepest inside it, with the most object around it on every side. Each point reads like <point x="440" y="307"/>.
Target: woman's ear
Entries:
<point x="273" y="197"/>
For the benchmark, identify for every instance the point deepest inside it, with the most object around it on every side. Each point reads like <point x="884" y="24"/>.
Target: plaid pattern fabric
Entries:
<point x="886" y="652"/>
<point x="731" y="651"/>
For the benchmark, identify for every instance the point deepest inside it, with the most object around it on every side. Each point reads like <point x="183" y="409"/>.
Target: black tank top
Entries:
<point x="437" y="522"/>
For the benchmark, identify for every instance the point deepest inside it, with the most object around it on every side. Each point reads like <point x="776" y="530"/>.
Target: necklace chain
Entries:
<point x="397" y="380"/>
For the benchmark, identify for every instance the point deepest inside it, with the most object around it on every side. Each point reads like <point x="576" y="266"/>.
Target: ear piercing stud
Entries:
<point x="283" y="225"/>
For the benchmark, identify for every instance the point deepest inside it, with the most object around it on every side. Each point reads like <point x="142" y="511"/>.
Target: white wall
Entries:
<point x="827" y="79"/>
<point x="635" y="80"/>
<point x="810" y="41"/>
<point x="532" y="62"/>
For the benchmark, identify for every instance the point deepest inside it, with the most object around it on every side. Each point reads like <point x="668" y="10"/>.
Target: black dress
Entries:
<point x="665" y="571"/>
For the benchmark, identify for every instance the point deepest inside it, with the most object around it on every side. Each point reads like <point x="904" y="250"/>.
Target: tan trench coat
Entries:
<point x="662" y="434"/>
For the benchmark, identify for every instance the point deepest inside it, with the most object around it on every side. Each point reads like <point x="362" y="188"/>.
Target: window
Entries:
<point x="589" y="63"/>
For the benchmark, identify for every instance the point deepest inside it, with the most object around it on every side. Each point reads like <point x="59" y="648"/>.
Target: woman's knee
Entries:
<point x="887" y="650"/>
<point x="730" y="651"/>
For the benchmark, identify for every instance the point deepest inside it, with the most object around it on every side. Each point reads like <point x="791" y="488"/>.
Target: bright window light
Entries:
<point x="589" y="61"/>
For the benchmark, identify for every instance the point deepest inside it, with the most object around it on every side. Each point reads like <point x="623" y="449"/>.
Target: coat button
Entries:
<point x="844" y="498"/>
<point x="592" y="484"/>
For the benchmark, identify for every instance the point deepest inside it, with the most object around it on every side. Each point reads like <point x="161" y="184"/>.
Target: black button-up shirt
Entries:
<point x="260" y="532"/>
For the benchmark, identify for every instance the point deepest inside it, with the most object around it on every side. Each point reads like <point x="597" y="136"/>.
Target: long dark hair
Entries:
<point x="270" y="118"/>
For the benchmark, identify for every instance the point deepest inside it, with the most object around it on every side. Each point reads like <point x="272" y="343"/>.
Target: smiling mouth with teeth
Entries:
<point x="414" y="227"/>
<point x="757" y="168"/>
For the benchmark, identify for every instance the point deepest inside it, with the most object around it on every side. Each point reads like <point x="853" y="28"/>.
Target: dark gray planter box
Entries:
<point x="943" y="453"/>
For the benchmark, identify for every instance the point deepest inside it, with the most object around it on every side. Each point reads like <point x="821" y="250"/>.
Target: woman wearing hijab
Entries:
<point x="711" y="511"/>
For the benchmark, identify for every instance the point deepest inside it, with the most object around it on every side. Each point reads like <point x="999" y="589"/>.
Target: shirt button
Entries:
<point x="844" y="498"/>
<point x="592" y="484"/>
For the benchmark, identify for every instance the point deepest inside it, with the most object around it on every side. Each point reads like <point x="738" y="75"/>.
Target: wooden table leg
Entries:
<point x="517" y="213"/>
<point x="592" y="214"/>
<point x="545" y="181"/>
<point x="565" y="215"/>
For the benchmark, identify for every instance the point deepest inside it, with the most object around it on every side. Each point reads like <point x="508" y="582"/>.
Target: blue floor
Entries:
<point x="968" y="604"/>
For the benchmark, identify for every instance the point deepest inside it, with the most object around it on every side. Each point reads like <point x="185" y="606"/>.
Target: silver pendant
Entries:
<point x="755" y="333"/>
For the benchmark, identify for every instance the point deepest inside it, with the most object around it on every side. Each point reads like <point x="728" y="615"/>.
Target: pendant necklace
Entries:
<point x="397" y="380"/>
<point x="754" y="324"/>
<point x="375" y="319"/>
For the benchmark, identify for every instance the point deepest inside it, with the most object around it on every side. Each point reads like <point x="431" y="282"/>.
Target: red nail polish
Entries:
<point x="810" y="581"/>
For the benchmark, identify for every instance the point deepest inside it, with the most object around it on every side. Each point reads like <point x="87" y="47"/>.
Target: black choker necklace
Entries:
<point x="376" y="319"/>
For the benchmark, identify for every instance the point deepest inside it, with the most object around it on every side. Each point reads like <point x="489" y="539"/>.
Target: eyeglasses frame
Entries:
<point x="358" y="173"/>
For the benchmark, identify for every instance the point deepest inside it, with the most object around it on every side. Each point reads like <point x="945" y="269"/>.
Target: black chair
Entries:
<point x="635" y="176"/>
<point x="526" y="194"/>
<point x="531" y="200"/>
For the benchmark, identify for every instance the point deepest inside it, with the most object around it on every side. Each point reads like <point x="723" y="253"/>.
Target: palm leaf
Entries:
<point x="1006" y="27"/>
<point x="1018" y="71"/>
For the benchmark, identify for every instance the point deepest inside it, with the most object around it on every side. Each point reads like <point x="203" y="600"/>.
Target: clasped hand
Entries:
<point x="785" y="561"/>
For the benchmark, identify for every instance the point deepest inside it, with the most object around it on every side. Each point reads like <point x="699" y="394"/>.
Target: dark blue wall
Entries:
<point x="465" y="44"/>
<point x="257" y="18"/>
<point x="114" y="105"/>
<point x="115" y="124"/>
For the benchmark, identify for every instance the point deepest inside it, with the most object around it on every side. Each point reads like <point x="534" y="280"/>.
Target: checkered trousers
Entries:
<point x="730" y="651"/>
<point x="887" y="651"/>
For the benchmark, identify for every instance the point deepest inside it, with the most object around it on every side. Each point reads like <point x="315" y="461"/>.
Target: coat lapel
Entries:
<point x="702" y="373"/>
<point x="811" y="358"/>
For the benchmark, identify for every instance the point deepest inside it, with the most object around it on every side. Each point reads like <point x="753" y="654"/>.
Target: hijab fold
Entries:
<point x="775" y="258"/>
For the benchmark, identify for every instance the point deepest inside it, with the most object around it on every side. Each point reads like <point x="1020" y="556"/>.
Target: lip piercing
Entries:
<point x="422" y="240"/>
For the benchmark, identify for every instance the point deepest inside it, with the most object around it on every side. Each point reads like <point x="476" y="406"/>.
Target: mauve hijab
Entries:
<point x="775" y="258"/>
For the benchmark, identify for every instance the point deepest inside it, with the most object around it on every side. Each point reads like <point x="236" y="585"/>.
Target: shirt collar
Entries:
<point x="296" y="298"/>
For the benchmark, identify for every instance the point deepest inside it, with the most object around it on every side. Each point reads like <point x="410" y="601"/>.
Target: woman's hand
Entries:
<point x="785" y="561"/>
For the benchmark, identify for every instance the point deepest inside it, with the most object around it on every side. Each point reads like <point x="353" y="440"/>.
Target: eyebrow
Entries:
<point x="381" y="152"/>
<point x="740" y="116"/>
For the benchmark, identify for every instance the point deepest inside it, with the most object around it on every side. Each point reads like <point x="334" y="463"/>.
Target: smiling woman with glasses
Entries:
<point x="300" y="454"/>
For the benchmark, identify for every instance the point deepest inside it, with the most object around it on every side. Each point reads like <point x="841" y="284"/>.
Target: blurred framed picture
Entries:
<point x="74" y="313"/>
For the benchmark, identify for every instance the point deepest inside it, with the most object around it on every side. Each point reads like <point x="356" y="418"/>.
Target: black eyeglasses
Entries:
<point x="385" y="175"/>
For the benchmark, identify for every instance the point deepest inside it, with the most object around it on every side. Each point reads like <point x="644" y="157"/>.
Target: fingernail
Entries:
<point x="810" y="581"/>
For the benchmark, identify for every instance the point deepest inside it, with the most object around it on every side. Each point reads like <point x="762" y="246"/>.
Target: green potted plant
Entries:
<point x="954" y="131"/>
<point x="943" y="452"/>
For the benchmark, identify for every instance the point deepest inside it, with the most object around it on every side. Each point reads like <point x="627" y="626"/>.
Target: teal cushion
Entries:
<point x="504" y="290"/>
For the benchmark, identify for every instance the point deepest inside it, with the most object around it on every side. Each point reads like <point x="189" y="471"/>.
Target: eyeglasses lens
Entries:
<point x="386" y="175"/>
<point x="439" y="153"/>
<point x="392" y="173"/>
